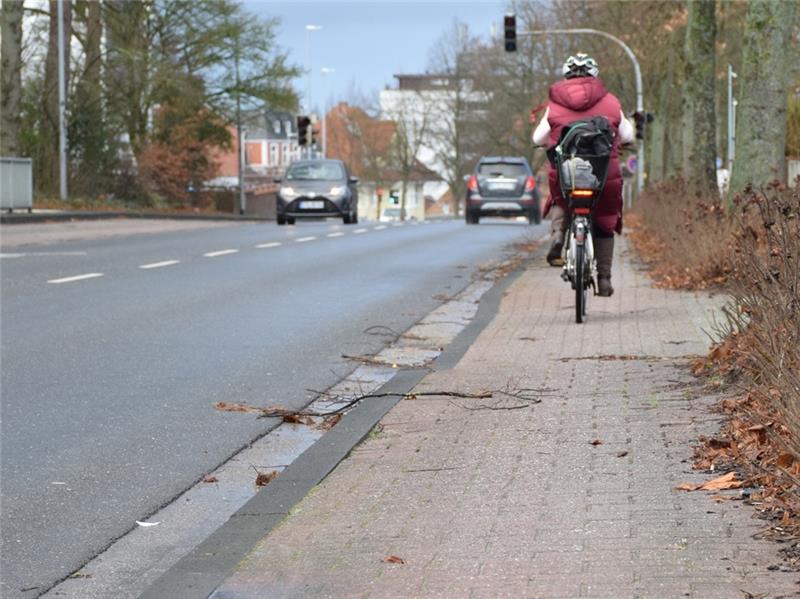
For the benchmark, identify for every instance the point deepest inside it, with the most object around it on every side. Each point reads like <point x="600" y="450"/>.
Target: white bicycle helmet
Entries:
<point x="580" y="65"/>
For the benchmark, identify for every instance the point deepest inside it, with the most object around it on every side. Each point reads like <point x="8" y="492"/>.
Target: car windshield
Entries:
<point x="315" y="171"/>
<point x="501" y="169"/>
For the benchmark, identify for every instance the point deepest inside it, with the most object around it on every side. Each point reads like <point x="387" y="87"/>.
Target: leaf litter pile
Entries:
<point x="755" y="254"/>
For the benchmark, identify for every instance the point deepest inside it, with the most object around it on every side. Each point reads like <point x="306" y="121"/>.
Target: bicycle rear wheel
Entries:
<point x="580" y="283"/>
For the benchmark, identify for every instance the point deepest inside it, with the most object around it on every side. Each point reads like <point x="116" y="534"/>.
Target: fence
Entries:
<point x="16" y="184"/>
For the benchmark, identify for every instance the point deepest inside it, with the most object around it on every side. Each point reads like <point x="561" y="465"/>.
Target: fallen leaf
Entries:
<point x="721" y="498"/>
<point x="622" y="454"/>
<point x="596" y="442"/>
<point x="726" y="481"/>
<point x="210" y="479"/>
<point x="785" y="460"/>
<point x="329" y="422"/>
<point x="393" y="559"/>
<point x="264" y="478"/>
<point x="236" y="407"/>
<point x="147" y="524"/>
<point x="298" y="419"/>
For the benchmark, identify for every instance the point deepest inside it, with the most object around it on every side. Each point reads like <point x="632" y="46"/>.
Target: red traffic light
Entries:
<point x="510" y="27"/>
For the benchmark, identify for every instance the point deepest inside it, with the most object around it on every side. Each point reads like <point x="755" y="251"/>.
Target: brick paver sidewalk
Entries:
<point x="481" y="499"/>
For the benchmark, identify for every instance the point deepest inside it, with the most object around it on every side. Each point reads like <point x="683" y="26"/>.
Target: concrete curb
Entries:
<point x="16" y="219"/>
<point x="198" y="574"/>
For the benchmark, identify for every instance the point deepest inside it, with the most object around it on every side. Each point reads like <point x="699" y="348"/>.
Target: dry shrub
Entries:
<point x="684" y="238"/>
<point x="760" y="349"/>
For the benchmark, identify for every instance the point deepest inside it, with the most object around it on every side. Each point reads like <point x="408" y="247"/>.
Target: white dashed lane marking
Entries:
<point x="220" y="253"/>
<point x="91" y="275"/>
<point x="380" y="228"/>
<point x="304" y="239"/>
<point x="271" y="244"/>
<point x="160" y="264"/>
<point x="337" y="234"/>
<point x="359" y="231"/>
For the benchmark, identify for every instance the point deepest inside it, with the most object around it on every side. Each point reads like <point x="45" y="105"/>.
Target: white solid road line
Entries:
<point x="304" y="239"/>
<point x="337" y="234"/>
<point x="220" y="253"/>
<point x="160" y="264"/>
<point x="91" y="275"/>
<point x="271" y="244"/>
<point x="380" y="228"/>
<point x="358" y="231"/>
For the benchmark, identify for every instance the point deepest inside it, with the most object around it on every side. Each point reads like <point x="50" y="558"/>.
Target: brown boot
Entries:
<point x="554" y="257"/>
<point x="604" y="255"/>
<point x="558" y="229"/>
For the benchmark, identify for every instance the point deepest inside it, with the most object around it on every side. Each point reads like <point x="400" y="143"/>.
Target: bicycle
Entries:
<point x="579" y="264"/>
<point x="581" y="158"/>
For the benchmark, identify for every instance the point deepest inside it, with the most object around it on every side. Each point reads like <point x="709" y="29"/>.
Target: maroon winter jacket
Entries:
<point x="578" y="99"/>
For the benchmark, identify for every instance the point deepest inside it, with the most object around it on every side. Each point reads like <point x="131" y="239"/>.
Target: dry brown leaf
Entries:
<point x="264" y="478"/>
<point x="393" y="559"/>
<point x="726" y="481"/>
<point x="298" y="419"/>
<point x="785" y="460"/>
<point x="622" y="454"/>
<point x="596" y="442"/>
<point x="208" y="478"/>
<point x="236" y="407"/>
<point x="329" y="422"/>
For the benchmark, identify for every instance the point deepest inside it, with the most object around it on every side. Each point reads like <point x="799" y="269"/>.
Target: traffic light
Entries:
<point x="510" y="26"/>
<point x="303" y="123"/>
<point x="639" y="118"/>
<point x="314" y="129"/>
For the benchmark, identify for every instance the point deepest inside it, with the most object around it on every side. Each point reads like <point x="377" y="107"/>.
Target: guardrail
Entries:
<point x="16" y="184"/>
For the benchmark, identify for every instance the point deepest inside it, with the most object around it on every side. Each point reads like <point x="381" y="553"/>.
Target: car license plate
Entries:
<point x="504" y="186"/>
<point x="312" y="205"/>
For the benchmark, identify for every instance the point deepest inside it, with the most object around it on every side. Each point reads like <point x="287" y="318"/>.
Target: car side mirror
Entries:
<point x="354" y="180"/>
<point x="277" y="180"/>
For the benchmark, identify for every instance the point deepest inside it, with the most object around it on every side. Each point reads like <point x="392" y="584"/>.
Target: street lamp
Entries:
<point x="325" y="71"/>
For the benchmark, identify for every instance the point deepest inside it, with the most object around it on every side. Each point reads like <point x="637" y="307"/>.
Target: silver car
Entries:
<point x="317" y="189"/>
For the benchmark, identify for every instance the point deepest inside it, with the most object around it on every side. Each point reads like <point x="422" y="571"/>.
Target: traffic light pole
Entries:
<point x="639" y="97"/>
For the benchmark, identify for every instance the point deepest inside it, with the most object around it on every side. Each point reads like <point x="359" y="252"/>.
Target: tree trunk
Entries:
<point x="48" y="167"/>
<point x="700" y="150"/>
<point x="11" y="70"/>
<point x="767" y="62"/>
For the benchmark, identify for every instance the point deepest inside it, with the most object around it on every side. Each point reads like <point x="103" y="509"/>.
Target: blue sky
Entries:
<point x="368" y="42"/>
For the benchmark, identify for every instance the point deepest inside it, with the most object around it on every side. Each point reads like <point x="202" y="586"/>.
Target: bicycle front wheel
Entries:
<point x="580" y="283"/>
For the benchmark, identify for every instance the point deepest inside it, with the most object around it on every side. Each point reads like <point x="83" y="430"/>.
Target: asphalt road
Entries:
<point x="115" y="349"/>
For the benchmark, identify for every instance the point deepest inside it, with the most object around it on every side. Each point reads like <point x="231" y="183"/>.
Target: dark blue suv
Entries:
<point x="502" y="186"/>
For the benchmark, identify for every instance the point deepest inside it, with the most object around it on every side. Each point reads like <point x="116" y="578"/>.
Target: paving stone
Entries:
<point x="505" y="498"/>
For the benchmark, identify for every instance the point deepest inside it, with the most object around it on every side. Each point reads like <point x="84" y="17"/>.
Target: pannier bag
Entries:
<point x="582" y="155"/>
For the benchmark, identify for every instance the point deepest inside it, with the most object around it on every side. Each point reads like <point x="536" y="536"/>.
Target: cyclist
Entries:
<point x="579" y="96"/>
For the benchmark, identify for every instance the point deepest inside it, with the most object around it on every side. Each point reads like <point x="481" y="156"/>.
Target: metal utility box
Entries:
<point x="16" y="184"/>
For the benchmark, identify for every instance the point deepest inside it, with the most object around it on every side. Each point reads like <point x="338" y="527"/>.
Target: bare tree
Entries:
<point x="411" y="111"/>
<point x="700" y="141"/>
<point x="769" y="55"/>
<point x="11" y="58"/>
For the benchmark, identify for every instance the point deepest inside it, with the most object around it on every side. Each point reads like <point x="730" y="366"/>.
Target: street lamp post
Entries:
<point x="62" y="102"/>
<point x="638" y="75"/>
<point x="325" y="71"/>
<point x="309" y="29"/>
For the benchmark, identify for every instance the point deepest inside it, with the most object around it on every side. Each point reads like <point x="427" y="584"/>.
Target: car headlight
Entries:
<point x="287" y="191"/>
<point x="336" y="191"/>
